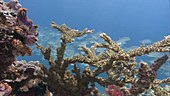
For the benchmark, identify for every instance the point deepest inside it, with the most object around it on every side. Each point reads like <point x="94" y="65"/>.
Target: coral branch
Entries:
<point x="147" y="75"/>
<point x="60" y="52"/>
<point x="159" y="91"/>
<point x="167" y="80"/>
<point x="161" y="46"/>
<point x="47" y="54"/>
<point x="68" y="33"/>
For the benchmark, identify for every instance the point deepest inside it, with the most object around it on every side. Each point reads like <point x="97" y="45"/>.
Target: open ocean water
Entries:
<point x="128" y="22"/>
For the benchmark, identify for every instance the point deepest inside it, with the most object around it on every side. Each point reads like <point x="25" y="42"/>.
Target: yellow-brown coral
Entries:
<point x="22" y="11"/>
<point x="21" y="49"/>
<point x="22" y="16"/>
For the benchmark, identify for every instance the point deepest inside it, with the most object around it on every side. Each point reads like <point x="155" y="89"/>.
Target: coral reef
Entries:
<point x="16" y="35"/>
<point x="21" y="78"/>
<point x="16" y="32"/>
<point x="119" y="65"/>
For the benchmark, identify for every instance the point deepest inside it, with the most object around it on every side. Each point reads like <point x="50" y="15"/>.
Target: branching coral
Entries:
<point x="119" y="65"/>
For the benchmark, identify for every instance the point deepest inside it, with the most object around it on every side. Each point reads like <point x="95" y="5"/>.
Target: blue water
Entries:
<point x="136" y="19"/>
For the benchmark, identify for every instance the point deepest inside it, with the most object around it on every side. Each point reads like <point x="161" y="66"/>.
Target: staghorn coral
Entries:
<point x="119" y="65"/>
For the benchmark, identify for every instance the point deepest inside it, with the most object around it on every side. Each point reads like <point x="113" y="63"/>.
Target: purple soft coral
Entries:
<point x="31" y="32"/>
<point x="22" y="16"/>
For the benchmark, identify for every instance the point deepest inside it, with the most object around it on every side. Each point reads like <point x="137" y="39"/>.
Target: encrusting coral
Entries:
<point x="18" y="33"/>
<point x="25" y="78"/>
<point x="119" y="65"/>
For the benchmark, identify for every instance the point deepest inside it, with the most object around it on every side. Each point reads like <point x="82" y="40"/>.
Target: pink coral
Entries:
<point x="113" y="90"/>
<point x="5" y="89"/>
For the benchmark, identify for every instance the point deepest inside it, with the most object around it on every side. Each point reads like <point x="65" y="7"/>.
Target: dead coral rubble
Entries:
<point x="119" y="65"/>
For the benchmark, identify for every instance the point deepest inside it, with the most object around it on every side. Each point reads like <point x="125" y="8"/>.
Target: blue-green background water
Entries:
<point x="128" y="22"/>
